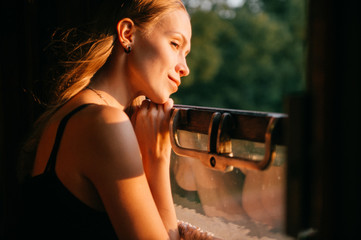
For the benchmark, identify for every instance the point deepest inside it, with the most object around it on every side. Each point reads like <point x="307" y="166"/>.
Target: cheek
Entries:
<point x="141" y="63"/>
<point x="148" y="60"/>
<point x="159" y="62"/>
<point x="152" y="60"/>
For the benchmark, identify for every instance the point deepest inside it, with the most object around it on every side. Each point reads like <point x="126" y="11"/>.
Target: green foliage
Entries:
<point x="249" y="61"/>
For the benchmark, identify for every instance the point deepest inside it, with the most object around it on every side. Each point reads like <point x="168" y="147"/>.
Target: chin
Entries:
<point x="160" y="99"/>
<point x="163" y="101"/>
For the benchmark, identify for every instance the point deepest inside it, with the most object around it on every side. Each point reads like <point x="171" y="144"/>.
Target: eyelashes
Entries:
<point x="175" y="44"/>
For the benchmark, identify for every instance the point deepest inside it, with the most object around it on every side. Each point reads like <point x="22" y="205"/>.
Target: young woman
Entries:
<point x="97" y="173"/>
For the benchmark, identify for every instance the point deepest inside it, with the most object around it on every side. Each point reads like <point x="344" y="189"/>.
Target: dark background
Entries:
<point x="324" y="128"/>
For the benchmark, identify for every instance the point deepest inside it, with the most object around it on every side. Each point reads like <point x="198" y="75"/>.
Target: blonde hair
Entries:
<point x="90" y="53"/>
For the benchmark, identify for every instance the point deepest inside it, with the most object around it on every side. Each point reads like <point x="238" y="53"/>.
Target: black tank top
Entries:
<point x="51" y="211"/>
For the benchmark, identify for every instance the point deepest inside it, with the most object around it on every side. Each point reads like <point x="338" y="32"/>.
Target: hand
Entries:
<point x="151" y="126"/>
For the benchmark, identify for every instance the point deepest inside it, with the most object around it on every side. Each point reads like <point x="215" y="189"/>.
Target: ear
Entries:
<point x="125" y="29"/>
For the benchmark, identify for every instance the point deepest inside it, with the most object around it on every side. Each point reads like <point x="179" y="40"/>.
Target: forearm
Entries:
<point x="151" y="125"/>
<point x="159" y="183"/>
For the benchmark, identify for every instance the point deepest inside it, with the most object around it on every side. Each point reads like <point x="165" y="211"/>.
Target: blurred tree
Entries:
<point x="248" y="57"/>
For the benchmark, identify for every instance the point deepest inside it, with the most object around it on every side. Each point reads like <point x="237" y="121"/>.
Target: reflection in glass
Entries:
<point x="241" y="204"/>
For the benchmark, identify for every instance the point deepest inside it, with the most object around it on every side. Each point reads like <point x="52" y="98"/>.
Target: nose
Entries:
<point x="182" y="67"/>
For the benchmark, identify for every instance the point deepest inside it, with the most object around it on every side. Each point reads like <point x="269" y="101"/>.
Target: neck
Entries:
<point x="112" y="79"/>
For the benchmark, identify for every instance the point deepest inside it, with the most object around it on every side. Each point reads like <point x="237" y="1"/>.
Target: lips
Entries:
<point x="177" y="82"/>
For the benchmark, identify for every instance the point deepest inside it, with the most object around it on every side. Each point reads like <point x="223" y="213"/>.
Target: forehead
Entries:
<point x="176" y="21"/>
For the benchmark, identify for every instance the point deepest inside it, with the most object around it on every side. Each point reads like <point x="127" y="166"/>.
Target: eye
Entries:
<point x="175" y="44"/>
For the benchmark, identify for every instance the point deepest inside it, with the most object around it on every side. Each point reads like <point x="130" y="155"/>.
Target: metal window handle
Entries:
<point x="219" y="153"/>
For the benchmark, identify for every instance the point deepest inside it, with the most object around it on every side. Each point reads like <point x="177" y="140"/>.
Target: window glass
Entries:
<point x="246" y="54"/>
<point x="240" y="204"/>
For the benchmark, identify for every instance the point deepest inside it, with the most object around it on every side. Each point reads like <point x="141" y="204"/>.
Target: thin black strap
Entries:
<point x="50" y="166"/>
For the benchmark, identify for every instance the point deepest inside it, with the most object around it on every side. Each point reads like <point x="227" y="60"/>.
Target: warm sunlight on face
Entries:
<point x="160" y="56"/>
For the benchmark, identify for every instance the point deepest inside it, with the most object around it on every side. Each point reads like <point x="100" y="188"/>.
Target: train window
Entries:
<point x="228" y="166"/>
<point x="228" y="171"/>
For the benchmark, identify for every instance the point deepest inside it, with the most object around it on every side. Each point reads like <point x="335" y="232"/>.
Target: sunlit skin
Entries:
<point x="115" y="164"/>
<point x="159" y="67"/>
<point x="155" y="64"/>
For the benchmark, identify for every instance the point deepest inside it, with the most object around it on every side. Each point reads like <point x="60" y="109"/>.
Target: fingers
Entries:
<point x="168" y="105"/>
<point x="148" y="105"/>
<point x="152" y="130"/>
<point x="151" y="109"/>
<point x="145" y="104"/>
<point x="167" y="109"/>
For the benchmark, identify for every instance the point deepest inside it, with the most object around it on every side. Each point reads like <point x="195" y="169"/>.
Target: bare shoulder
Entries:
<point x="101" y="121"/>
<point x="106" y="142"/>
<point x="110" y="159"/>
<point x="105" y="114"/>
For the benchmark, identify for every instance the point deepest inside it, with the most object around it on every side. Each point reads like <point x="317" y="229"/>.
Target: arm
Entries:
<point x="151" y="124"/>
<point x="138" y="207"/>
